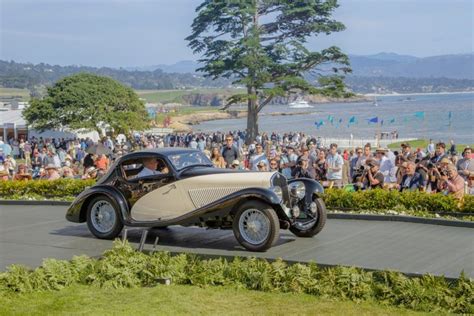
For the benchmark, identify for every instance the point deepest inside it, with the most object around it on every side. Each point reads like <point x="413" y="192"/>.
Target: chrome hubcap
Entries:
<point x="254" y="226"/>
<point x="103" y="216"/>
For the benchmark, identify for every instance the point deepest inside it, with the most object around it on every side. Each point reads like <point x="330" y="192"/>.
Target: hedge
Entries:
<point x="48" y="189"/>
<point x="394" y="200"/>
<point x="373" y="200"/>
<point x="123" y="267"/>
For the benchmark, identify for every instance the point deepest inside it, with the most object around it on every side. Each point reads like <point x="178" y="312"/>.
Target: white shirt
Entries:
<point x="334" y="162"/>
<point x="387" y="168"/>
<point x="147" y="172"/>
<point x="256" y="159"/>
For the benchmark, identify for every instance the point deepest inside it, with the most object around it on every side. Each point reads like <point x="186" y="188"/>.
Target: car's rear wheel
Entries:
<point x="103" y="218"/>
<point x="256" y="226"/>
<point x="305" y="228"/>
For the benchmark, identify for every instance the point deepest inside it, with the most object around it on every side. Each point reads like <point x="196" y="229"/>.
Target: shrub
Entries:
<point x="389" y="200"/>
<point x="44" y="188"/>
<point x="124" y="267"/>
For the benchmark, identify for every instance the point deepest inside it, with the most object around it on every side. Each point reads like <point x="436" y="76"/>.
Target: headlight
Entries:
<point x="297" y="189"/>
<point x="278" y="191"/>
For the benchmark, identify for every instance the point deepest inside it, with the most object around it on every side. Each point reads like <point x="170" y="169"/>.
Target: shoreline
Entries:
<point x="186" y="122"/>
<point x="415" y="93"/>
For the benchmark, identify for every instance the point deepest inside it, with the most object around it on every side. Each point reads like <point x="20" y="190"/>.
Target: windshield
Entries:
<point x="195" y="158"/>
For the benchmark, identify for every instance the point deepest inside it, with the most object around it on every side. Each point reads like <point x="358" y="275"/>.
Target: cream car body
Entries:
<point x="178" y="198"/>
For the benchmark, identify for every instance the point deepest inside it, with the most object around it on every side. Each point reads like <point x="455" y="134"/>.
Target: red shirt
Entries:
<point x="102" y="163"/>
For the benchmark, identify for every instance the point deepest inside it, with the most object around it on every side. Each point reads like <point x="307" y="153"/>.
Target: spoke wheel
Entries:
<point x="103" y="218"/>
<point x="256" y="226"/>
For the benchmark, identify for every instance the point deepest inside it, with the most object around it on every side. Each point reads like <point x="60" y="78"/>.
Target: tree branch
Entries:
<point x="267" y="100"/>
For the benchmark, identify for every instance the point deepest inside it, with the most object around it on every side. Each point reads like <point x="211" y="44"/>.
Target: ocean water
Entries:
<point x="417" y="116"/>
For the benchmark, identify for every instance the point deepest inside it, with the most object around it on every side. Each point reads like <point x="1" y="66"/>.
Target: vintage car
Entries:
<point x="177" y="186"/>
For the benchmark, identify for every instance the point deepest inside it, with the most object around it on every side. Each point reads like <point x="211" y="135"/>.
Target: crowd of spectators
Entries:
<point x="435" y="168"/>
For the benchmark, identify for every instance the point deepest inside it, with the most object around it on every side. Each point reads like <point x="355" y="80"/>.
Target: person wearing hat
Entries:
<point x="386" y="167"/>
<point x="434" y="172"/>
<point x="52" y="172"/>
<point x="452" y="183"/>
<point x="235" y="164"/>
<point x="4" y="175"/>
<point x="302" y="170"/>
<point x="262" y="165"/>
<point x="22" y="173"/>
<point x="373" y="177"/>
<point x="406" y="150"/>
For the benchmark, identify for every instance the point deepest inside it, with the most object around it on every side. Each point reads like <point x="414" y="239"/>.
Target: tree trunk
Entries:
<point x="252" y="118"/>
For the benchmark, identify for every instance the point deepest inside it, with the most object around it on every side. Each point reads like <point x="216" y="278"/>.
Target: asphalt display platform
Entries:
<point x="30" y="233"/>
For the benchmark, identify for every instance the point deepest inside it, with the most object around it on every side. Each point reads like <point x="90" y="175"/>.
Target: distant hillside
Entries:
<point x="25" y="75"/>
<point x="380" y="73"/>
<point x="383" y="64"/>
<point x="393" y="65"/>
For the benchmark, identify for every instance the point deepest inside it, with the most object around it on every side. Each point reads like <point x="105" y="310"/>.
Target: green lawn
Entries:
<point x="24" y="94"/>
<point x="183" y="300"/>
<point x="168" y="96"/>
<point x="423" y="143"/>
<point x="185" y="110"/>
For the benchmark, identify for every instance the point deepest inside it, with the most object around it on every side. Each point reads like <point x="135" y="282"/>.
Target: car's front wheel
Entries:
<point x="312" y="223"/>
<point x="256" y="226"/>
<point x="103" y="218"/>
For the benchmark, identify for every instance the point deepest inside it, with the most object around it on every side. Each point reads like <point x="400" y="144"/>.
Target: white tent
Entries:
<point x="13" y="124"/>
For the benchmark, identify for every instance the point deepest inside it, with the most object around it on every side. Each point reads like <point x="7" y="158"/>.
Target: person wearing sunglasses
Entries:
<point x="230" y="151"/>
<point x="274" y="165"/>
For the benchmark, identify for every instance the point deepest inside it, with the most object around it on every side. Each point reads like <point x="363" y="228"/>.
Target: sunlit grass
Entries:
<point x="171" y="96"/>
<point x="423" y="144"/>
<point x="24" y="94"/>
<point x="183" y="300"/>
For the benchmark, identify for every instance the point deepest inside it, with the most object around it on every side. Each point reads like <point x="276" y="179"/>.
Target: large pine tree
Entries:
<point x="261" y="44"/>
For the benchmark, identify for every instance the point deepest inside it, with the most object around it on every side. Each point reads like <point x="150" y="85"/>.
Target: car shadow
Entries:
<point x="176" y="237"/>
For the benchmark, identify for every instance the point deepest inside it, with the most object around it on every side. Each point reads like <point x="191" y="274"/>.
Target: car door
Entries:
<point x="164" y="203"/>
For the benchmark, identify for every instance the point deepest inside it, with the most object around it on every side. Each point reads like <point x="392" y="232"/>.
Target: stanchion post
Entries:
<point x="142" y="240"/>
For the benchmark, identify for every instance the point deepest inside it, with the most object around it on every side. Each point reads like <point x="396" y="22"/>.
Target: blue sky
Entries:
<point x="139" y="32"/>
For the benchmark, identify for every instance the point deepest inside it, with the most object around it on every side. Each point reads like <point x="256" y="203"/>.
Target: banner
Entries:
<point x="373" y="120"/>
<point x="420" y="115"/>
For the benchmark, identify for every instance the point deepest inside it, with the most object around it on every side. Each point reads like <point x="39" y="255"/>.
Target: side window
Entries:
<point x="143" y="167"/>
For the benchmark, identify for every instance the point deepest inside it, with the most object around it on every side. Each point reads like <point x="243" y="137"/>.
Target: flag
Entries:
<point x="420" y="115"/>
<point x="352" y="120"/>
<point x="319" y="124"/>
<point x="331" y="119"/>
<point x="392" y="121"/>
<point x="374" y="120"/>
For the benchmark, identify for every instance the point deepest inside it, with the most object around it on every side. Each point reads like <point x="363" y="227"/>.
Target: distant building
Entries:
<point x="12" y="124"/>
